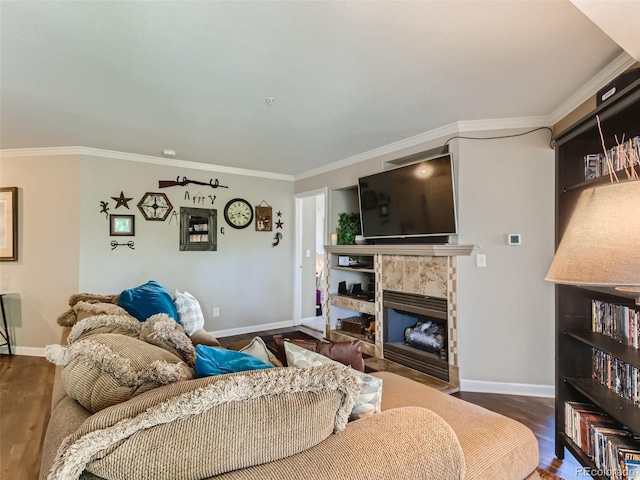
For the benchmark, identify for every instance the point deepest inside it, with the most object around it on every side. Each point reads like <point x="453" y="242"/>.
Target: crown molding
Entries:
<point x="620" y="65"/>
<point x="134" y="157"/>
<point x="451" y="129"/>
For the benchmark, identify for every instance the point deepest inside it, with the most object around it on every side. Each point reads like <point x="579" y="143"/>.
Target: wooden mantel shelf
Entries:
<point x="420" y="250"/>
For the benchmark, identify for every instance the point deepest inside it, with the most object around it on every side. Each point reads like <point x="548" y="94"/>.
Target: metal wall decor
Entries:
<point x="129" y="244"/>
<point x="155" y="206"/>
<point x="104" y="208"/>
<point x="122" y="200"/>
<point x="185" y="181"/>
<point x="264" y="217"/>
<point x="276" y="239"/>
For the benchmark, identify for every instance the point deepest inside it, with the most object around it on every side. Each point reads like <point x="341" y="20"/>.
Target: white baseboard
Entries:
<point x="26" y="351"/>
<point x="253" y="328"/>
<point x="525" y="389"/>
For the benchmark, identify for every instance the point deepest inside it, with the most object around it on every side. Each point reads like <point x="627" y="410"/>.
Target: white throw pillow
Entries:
<point x="259" y="349"/>
<point x="370" y="398"/>
<point x="189" y="312"/>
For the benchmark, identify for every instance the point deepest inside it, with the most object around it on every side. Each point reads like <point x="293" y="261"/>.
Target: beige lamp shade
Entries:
<point x="601" y="246"/>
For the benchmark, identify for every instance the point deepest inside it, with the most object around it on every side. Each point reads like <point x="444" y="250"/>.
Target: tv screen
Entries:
<point x="412" y="200"/>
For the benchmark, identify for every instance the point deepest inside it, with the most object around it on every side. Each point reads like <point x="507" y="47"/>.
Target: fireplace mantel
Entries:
<point x="424" y="250"/>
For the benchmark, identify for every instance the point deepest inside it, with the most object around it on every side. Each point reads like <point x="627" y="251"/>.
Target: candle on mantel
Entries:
<point x="334" y="239"/>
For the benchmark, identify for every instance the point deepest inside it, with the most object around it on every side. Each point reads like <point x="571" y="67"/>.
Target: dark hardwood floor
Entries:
<point x="25" y="397"/>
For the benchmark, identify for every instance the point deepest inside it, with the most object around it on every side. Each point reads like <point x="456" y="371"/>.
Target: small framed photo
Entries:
<point x="122" y="225"/>
<point x="9" y="224"/>
<point x="264" y="219"/>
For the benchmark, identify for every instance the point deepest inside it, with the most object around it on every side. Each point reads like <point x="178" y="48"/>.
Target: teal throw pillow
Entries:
<point x="146" y="300"/>
<point x="218" y="361"/>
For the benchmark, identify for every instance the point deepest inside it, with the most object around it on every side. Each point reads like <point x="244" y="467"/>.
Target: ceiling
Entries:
<point x="347" y="77"/>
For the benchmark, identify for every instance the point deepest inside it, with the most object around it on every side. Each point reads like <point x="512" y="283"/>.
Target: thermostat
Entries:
<point x="514" y="239"/>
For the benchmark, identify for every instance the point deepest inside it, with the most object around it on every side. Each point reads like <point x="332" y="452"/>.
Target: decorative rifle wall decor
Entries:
<point x="104" y="208"/>
<point x="115" y="245"/>
<point x="185" y="181"/>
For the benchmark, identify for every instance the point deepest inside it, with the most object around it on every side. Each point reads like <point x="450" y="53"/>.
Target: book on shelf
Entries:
<point x="616" y="375"/>
<point x="622" y="156"/>
<point x="612" y="448"/>
<point x="619" y="322"/>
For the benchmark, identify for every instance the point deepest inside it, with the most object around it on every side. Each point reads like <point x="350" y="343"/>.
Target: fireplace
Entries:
<point x="415" y="332"/>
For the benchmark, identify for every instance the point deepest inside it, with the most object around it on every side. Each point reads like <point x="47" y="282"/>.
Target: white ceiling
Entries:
<point x="347" y="77"/>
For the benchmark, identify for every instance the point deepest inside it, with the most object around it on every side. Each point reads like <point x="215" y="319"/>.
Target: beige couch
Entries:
<point x="296" y="430"/>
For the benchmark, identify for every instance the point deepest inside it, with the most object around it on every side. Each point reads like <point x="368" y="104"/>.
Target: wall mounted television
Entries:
<point x="411" y="201"/>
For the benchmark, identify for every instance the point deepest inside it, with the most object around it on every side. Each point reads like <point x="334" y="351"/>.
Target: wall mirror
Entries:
<point x="198" y="228"/>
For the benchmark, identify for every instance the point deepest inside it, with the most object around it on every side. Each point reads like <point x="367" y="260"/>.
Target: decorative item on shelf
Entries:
<point x="238" y="213"/>
<point x="359" y="240"/>
<point x="122" y="200"/>
<point x="9" y="224"/>
<point x="339" y="324"/>
<point x="104" y="208"/>
<point x="601" y="243"/>
<point x="155" y="206"/>
<point x="334" y="239"/>
<point x="264" y="217"/>
<point x="122" y="225"/>
<point x="185" y="181"/>
<point x="276" y="238"/>
<point x="348" y="228"/>
<point x="115" y="244"/>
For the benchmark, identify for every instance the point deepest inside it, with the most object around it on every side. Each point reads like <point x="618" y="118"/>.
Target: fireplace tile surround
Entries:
<point x="429" y="270"/>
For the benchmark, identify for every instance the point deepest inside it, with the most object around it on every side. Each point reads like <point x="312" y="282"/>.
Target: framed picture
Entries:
<point x="8" y="224"/>
<point x="264" y="219"/>
<point x="122" y="225"/>
<point x="198" y="229"/>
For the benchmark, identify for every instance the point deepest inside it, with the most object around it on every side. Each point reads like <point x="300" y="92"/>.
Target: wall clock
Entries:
<point x="238" y="213"/>
<point x="155" y="206"/>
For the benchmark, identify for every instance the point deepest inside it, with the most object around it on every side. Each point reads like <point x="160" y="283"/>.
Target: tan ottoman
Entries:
<point x="495" y="447"/>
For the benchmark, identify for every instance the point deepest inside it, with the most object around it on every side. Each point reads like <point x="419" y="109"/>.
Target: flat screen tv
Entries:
<point x="416" y="200"/>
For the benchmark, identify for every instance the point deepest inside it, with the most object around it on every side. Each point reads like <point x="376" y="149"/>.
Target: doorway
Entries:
<point x="311" y="236"/>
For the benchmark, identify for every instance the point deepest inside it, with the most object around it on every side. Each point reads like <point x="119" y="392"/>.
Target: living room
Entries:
<point x="504" y="185"/>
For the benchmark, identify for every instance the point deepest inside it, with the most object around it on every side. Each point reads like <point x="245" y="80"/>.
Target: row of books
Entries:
<point x="619" y="322"/>
<point x="613" y="448"/>
<point x="621" y="156"/>
<point x="616" y="375"/>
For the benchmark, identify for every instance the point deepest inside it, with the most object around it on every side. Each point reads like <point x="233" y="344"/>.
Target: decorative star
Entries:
<point x="122" y="200"/>
<point x="279" y="224"/>
<point x="279" y="214"/>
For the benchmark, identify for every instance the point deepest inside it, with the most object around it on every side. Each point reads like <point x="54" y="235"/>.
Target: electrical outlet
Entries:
<point x="216" y="312"/>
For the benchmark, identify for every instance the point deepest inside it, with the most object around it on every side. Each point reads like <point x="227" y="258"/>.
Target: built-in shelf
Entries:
<point x="366" y="345"/>
<point x="622" y="352"/>
<point x="353" y="303"/>
<point x="354" y="269"/>
<point x="619" y="408"/>
<point x="582" y="457"/>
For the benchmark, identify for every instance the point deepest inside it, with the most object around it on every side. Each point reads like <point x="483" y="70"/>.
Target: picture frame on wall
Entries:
<point x="122" y="225"/>
<point x="9" y="224"/>
<point x="264" y="219"/>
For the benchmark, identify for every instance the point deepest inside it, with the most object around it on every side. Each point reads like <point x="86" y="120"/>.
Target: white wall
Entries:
<point x="505" y="311"/>
<point x="248" y="279"/>
<point x="46" y="271"/>
<point x="308" y="264"/>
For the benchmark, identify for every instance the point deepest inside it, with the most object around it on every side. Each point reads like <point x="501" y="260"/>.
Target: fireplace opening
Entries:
<point x="415" y="332"/>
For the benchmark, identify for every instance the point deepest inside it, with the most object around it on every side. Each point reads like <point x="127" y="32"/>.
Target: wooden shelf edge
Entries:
<point x="354" y="269"/>
<point x="619" y="350"/>
<point x="579" y="455"/>
<point x="611" y="403"/>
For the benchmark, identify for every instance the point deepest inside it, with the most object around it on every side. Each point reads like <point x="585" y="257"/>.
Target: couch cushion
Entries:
<point x="495" y="447"/>
<point x="368" y="401"/>
<point x="146" y="300"/>
<point x="123" y="324"/>
<point x="106" y="369"/>
<point x="232" y="422"/>
<point x="219" y="361"/>
<point x="189" y="312"/>
<point x="162" y="331"/>
<point x="202" y="337"/>
<point x="258" y="349"/>
<point x="346" y="353"/>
